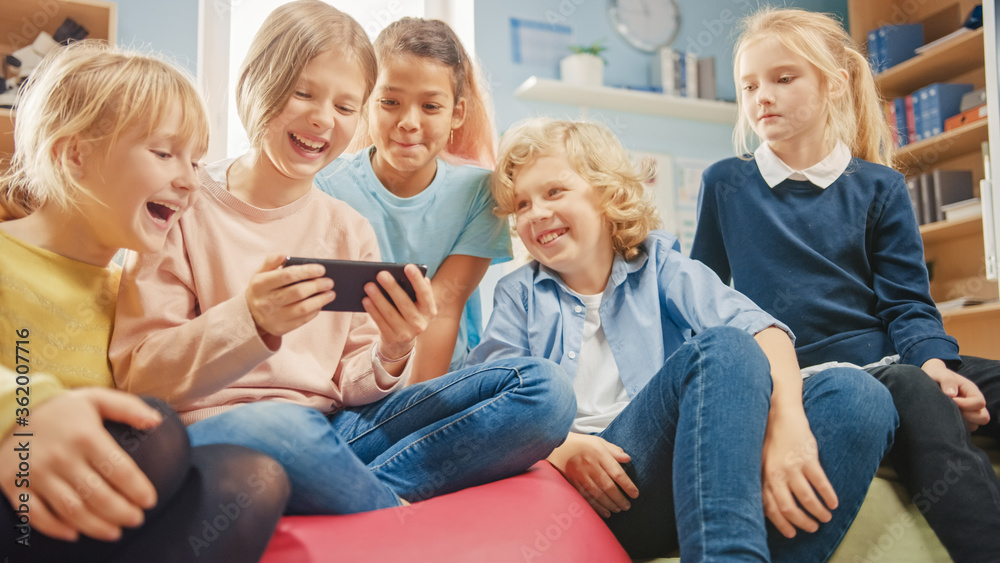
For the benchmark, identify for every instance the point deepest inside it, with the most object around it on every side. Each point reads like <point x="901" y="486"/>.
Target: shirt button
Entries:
<point x="578" y="309"/>
<point x="571" y="355"/>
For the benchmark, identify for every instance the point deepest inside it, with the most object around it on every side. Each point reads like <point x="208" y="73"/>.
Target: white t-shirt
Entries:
<point x="600" y="393"/>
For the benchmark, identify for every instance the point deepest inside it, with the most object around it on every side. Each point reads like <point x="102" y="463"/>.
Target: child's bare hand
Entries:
<point x="793" y="478"/>
<point x="283" y="299"/>
<point x="593" y="466"/>
<point x="400" y="325"/>
<point x="81" y="481"/>
<point x="970" y="400"/>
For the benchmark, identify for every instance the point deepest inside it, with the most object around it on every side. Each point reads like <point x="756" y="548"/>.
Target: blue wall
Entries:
<point x="169" y="28"/>
<point x="706" y="27"/>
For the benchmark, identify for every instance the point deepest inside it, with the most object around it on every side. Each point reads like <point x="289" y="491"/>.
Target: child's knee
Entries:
<point x="859" y="404"/>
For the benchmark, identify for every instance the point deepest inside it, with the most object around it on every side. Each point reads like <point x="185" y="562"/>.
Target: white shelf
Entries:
<point x="620" y="99"/>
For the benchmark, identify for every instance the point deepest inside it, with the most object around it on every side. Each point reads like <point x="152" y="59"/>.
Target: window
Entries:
<point x="226" y="28"/>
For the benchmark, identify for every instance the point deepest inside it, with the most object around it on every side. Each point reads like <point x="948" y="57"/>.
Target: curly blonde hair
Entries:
<point x="855" y="118"/>
<point x="93" y="92"/>
<point x="597" y="156"/>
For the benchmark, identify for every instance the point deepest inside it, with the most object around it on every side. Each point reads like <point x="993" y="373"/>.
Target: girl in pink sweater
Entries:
<point x="243" y="351"/>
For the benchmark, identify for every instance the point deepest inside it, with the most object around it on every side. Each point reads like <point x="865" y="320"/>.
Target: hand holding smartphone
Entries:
<point x="350" y="276"/>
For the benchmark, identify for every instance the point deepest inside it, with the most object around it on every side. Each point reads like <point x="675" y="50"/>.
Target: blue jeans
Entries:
<point x="469" y="427"/>
<point x="709" y="405"/>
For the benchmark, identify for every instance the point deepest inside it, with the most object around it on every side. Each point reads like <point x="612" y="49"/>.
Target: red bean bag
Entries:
<point x="535" y="516"/>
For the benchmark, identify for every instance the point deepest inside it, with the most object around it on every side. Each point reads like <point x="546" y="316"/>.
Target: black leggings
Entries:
<point x="215" y="503"/>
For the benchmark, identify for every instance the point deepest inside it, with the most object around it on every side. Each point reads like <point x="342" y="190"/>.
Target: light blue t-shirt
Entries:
<point x="652" y="305"/>
<point x="453" y="215"/>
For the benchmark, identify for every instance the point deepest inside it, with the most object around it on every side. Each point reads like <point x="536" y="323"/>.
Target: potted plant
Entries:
<point x="585" y="67"/>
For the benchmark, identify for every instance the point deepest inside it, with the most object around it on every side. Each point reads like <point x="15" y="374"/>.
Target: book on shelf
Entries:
<point x="959" y="302"/>
<point x="935" y="103"/>
<point x="964" y="209"/>
<point x="931" y="191"/>
<point x="679" y="73"/>
<point x="942" y="40"/>
<point x="913" y="188"/>
<point x="706" y="78"/>
<point x="890" y="45"/>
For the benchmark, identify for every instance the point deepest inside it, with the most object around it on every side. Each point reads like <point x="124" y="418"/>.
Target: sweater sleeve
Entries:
<point x="902" y="286"/>
<point x="506" y="334"/>
<point x="163" y="345"/>
<point x="709" y="247"/>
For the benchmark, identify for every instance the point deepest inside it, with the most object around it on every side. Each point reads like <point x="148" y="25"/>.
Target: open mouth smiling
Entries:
<point x="161" y="211"/>
<point x="308" y="146"/>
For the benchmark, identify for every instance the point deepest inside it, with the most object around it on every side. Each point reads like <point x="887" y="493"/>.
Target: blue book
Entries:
<point x="917" y="134"/>
<point x="902" y="131"/>
<point x="898" y="42"/>
<point x="939" y="101"/>
<point x="875" y="52"/>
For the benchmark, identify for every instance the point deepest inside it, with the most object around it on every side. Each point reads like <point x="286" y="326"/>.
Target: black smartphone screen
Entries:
<point x="350" y="276"/>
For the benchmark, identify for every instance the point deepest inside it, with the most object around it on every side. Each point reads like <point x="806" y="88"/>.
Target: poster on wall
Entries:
<point x="661" y="185"/>
<point x="688" y="174"/>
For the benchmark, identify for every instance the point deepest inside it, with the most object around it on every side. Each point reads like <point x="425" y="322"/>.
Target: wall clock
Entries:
<point x="647" y="25"/>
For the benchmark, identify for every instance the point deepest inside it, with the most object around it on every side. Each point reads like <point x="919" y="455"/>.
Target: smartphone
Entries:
<point x="350" y="276"/>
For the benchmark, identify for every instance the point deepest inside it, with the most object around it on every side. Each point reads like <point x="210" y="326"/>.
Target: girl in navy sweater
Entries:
<point x="819" y="232"/>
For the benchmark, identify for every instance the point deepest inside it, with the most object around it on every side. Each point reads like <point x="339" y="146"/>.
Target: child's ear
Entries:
<point x="838" y="86"/>
<point x="72" y="153"/>
<point x="458" y="114"/>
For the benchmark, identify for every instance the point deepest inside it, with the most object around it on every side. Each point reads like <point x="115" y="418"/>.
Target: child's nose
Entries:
<point x="765" y="95"/>
<point x="322" y="117"/>
<point x="410" y="117"/>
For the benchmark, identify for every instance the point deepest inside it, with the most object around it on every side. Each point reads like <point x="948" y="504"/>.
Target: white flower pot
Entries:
<point x="582" y="69"/>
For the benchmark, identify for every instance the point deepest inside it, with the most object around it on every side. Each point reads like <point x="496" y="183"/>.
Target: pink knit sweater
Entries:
<point x="183" y="331"/>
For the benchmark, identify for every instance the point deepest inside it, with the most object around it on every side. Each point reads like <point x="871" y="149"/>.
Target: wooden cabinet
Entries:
<point x="22" y="20"/>
<point x="955" y="250"/>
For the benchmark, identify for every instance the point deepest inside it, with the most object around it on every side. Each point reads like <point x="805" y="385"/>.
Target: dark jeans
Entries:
<point x="950" y="480"/>
<point x="215" y="503"/>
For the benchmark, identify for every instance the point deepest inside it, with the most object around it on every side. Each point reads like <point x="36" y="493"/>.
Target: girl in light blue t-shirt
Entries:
<point x="428" y="114"/>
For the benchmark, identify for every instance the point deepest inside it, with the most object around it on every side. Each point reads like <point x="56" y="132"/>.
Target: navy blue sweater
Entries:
<point x="843" y="267"/>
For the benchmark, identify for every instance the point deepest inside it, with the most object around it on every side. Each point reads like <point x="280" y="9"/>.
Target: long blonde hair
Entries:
<point x="92" y="92"/>
<point x="856" y="117"/>
<point x="597" y="156"/>
<point x="475" y="139"/>
<point x="292" y="36"/>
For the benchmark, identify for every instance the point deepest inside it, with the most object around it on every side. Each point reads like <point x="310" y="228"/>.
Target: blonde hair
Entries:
<point x="597" y="156"/>
<point x="93" y="92"/>
<point x="856" y="116"/>
<point x="292" y="36"/>
<point x="475" y="139"/>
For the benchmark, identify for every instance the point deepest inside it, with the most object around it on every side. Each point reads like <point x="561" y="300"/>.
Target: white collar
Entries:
<point x="823" y="173"/>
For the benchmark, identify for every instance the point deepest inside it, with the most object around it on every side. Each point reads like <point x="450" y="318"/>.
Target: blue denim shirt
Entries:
<point x="652" y="305"/>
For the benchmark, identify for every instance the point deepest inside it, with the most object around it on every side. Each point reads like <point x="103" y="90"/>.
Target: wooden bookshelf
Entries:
<point x="22" y="20"/>
<point x="954" y="250"/>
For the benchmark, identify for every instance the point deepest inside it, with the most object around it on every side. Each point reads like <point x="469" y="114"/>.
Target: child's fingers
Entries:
<point x="773" y="514"/>
<point x="66" y="503"/>
<point x="46" y="522"/>
<point x="819" y="482"/>
<point x="783" y="490"/>
<point x="423" y="289"/>
<point x="123" y="407"/>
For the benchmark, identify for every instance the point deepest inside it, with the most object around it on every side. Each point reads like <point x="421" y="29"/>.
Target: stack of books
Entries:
<point x="922" y="114"/>
<point x="892" y="44"/>
<point x="932" y="192"/>
<point x="682" y="73"/>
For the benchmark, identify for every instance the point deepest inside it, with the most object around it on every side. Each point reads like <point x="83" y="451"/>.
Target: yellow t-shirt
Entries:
<point x="56" y="316"/>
